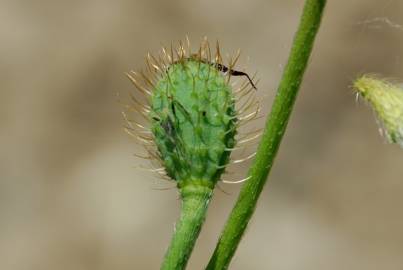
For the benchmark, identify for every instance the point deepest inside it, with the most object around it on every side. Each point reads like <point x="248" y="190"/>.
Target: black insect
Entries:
<point x="224" y="69"/>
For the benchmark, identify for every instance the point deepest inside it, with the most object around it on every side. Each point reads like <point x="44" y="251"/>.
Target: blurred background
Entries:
<point x="71" y="197"/>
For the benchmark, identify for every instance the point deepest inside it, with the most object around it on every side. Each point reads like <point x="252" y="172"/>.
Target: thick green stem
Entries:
<point x="273" y="133"/>
<point x="195" y="200"/>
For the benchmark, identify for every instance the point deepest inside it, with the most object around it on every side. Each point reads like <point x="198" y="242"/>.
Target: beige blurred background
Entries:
<point x="70" y="197"/>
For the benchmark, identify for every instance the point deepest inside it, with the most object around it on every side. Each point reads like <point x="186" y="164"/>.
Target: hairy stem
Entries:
<point x="273" y="133"/>
<point x="195" y="200"/>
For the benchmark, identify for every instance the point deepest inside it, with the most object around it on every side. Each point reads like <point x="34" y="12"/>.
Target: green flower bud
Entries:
<point x="193" y="120"/>
<point x="387" y="101"/>
<point x="191" y="110"/>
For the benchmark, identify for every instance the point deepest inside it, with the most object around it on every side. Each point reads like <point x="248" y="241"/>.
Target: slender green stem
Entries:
<point x="273" y="133"/>
<point x="195" y="200"/>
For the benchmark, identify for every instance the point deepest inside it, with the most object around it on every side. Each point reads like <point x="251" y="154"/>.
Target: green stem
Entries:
<point x="273" y="133"/>
<point x="195" y="200"/>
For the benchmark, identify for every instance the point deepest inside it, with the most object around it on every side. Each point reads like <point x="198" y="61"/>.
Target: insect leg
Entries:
<point x="240" y="73"/>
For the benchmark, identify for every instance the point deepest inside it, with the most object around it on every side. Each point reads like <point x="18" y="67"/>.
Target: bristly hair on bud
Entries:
<point x="187" y="111"/>
<point x="386" y="99"/>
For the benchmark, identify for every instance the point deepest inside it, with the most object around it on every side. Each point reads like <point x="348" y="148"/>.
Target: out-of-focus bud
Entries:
<point x="386" y="99"/>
